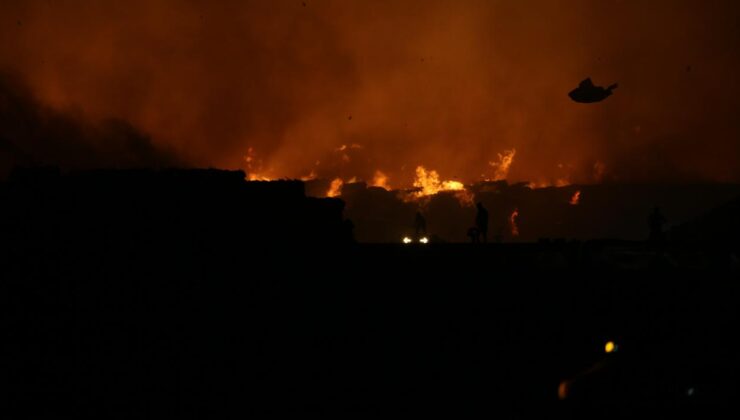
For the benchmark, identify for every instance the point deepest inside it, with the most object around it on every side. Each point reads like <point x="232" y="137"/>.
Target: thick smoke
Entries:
<point x="32" y="135"/>
<point x="445" y="84"/>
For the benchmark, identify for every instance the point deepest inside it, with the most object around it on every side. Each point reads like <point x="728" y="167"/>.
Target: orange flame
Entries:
<point x="258" y="177"/>
<point x="562" y="182"/>
<point x="538" y="184"/>
<point x="512" y="221"/>
<point x="430" y="184"/>
<point x="335" y="189"/>
<point x="559" y="183"/>
<point x="503" y="164"/>
<point x="576" y="198"/>
<point x="309" y="177"/>
<point x="381" y="180"/>
<point x="254" y="167"/>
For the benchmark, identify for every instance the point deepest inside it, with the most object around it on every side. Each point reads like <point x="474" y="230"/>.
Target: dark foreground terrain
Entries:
<point x="188" y="295"/>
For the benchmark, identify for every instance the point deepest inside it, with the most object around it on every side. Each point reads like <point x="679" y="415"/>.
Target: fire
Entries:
<point x="309" y="177"/>
<point x="512" y="222"/>
<point x="381" y="180"/>
<point x="430" y="184"/>
<point x="335" y="189"/>
<point x="258" y="177"/>
<point x="562" y="182"/>
<point x="503" y="164"/>
<point x="576" y="198"/>
<point x="254" y="167"/>
<point x="559" y="183"/>
<point x="539" y="184"/>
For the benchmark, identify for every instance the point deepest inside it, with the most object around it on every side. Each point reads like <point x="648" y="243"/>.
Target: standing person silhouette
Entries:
<point x="481" y="222"/>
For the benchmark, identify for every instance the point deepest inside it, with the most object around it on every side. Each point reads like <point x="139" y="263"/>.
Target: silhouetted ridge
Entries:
<point x="185" y="209"/>
<point x="721" y="224"/>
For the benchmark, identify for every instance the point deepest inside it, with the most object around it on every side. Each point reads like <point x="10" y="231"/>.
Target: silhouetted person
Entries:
<point x="420" y="225"/>
<point x="481" y="222"/>
<point x="587" y="93"/>
<point x="474" y="235"/>
<point x="656" y="222"/>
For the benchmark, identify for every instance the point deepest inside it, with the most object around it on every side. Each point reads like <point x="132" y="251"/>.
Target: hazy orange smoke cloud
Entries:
<point x="444" y="84"/>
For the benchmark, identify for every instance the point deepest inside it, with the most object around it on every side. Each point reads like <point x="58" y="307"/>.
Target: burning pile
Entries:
<point x="428" y="183"/>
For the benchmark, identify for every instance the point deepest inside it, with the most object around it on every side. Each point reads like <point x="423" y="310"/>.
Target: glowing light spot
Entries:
<point x="424" y="240"/>
<point x="690" y="392"/>
<point x="407" y="240"/>
<point x="610" y="347"/>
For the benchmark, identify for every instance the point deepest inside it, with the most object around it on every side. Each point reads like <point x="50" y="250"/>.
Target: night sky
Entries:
<point x="444" y="84"/>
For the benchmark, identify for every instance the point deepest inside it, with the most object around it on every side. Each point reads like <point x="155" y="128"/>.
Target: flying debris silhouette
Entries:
<point x="587" y="93"/>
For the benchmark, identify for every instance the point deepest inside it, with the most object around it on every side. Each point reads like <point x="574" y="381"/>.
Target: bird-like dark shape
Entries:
<point x="587" y="93"/>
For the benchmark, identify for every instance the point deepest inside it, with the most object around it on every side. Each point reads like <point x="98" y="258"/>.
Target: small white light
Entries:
<point x="690" y="392"/>
<point x="424" y="240"/>
<point x="407" y="240"/>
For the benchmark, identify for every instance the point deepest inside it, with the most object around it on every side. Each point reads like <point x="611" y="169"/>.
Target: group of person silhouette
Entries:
<point x="478" y="233"/>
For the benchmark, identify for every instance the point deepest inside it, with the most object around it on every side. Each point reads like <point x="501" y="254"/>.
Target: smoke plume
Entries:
<point x="449" y="85"/>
